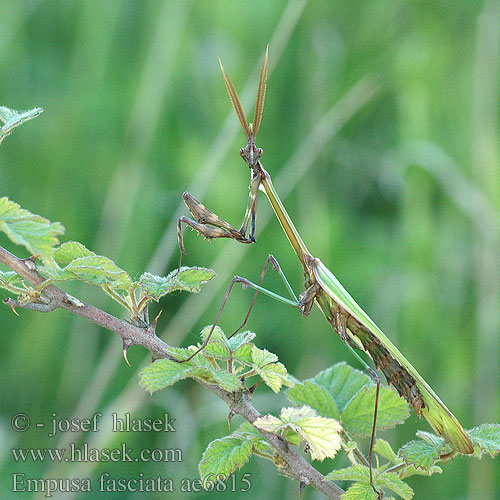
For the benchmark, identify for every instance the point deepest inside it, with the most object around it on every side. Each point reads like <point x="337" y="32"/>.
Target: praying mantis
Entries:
<point x="357" y="330"/>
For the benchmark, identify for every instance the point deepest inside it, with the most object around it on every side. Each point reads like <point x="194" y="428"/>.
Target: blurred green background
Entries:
<point x="381" y="134"/>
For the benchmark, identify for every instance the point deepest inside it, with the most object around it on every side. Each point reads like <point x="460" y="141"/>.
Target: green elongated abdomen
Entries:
<point x="365" y="335"/>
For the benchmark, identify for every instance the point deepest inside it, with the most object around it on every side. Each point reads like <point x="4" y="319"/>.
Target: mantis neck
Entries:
<point x="285" y="221"/>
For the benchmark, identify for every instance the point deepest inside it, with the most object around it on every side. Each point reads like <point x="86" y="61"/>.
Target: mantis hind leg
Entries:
<point x="258" y="288"/>
<point x="341" y="328"/>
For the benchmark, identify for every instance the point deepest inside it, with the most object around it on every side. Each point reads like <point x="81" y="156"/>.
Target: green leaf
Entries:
<point x="342" y="382"/>
<point x="11" y="119"/>
<point x="10" y="278"/>
<point x="391" y="480"/>
<point x="70" y="251"/>
<point x="268" y="423"/>
<point x="384" y="449"/>
<point x="358" y="414"/>
<point x="420" y="454"/>
<point x="248" y="431"/>
<point x="228" y="381"/>
<point x="317" y="397"/>
<point x="162" y="373"/>
<point x="352" y="473"/>
<point x="361" y="475"/>
<point x="240" y="339"/>
<point x="35" y="233"/>
<point x="98" y="270"/>
<point x="217" y="345"/>
<point x="262" y="357"/>
<point x="359" y="491"/>
<point x="80" y="263"/>
<point x="223" y="456"/>
<point x="187" y="279"/>
<point x="487" y="437"/>
<point x="274" y="375"/>
<point x="429" y="437"/>
<point x="243" y="354"/>
<point x="321" y="434"/>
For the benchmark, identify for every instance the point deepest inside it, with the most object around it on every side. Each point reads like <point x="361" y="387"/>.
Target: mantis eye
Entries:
<point x="259" y="152"/>
<point x="242" y="153"/>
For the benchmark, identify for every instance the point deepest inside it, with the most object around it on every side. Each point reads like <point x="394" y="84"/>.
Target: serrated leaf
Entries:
<point x="321" y="434"/>
<point x="244" y="354"/>
<point x="487" y="437"/>
<point x="228" y="381"/>
<point x="429" y="437"/>
<point x="358" y="414"/>
<point x="352" y="473"/>
<point x="223" y="456"/>
<point x="236" y="341"/>
<point x="262" y="357"/>
<point x="384" y="449"/>
<point x="342" y="382"/>
<point x="359" y="491"/>
<point x="35" y="233"/>
<point x="217" y="345"/>
<point x="420" y="454"/>
<point x="98" y="270"/>
<point x="391" y="480"/>
<point x="248" y="431"/>
<point x="10" y="119"/>
<point x="274" y="375"/>
<point x="317" y="397"/>
<point x="162" y="373"/>
<point x="187" y="279"/>
<point x="10" y="278"/>
<point x="70" y="251"/>
<point x="268" y="423"/>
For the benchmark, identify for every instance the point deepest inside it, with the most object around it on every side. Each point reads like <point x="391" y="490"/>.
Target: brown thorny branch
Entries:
<point x="51" y="298"/>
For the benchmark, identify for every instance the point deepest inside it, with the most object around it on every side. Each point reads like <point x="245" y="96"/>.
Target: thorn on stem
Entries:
<point x="9" y="302"/>
<point x="126" y="345"/>
<point x="252" y="389"/>
<point x="302" y="486"/>
<point x="230" y="417"/>
<point x="151" y="329"/>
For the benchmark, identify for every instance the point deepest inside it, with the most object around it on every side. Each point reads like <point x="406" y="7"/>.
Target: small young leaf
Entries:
<point x="228" y="381"/>
<point x="11" y="119"/>
<point x="420" y="454"/>
<point x="187" y="279"/>
<point x="98" y="270"/>
<point x="243" y="354"/>
<point x="487" y="437"/>
<point x="70" y="251"/>
<point x="268" y="423"/>
<point x="274" y="375"/>
<point x="359" y="491"/>
<point x="240" y="339"/>
<point x="262" y="357"/>
<point x="342" y="382"/>
<point x="352" y="473"/>
<point x="432" y="439"/>
<point x="317" y="397"/>
<point x="223" y="456"/>
<point x="162" y="373"/>
<point x="35" y="233"/>
<point x="358" y="415"/>
<point x="384" y="449"/>
<point x="321" y="434"/>
<point x="10" y="279"/>
<point x="217" y="346"/>
<point x="391" y="480"/>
